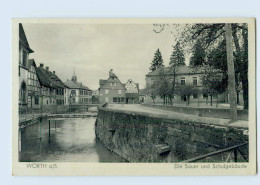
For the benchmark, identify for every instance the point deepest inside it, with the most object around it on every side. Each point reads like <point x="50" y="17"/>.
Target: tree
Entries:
<point x="198" y="57"/>
<point x="150" y="90"/>
<point x="157" y="61"/>
<point x="163" y="87"/>
<point x="212" y="34"/>
<point x="231" y="73"/>
<point x="177" y="57"/>
<point x="212" y="82"/>
<point x="187" y="91"/>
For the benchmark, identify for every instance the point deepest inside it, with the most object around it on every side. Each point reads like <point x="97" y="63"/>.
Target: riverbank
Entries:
<point x="76" y="111"/>
<point x="24" y="122"/>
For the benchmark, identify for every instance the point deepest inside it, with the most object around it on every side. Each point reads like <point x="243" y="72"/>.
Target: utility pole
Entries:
<point x="231" y="74"/>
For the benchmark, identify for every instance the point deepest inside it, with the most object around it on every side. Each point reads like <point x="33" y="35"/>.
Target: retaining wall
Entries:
<point x="144" y="138"/>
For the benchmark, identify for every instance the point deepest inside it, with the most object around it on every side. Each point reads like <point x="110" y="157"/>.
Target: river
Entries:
<point x="73" y="140"/>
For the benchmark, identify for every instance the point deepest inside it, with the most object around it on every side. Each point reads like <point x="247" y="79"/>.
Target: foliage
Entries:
<point x="212" y="81"/>
<point x="187" y="90"/>
<point x="198" y="57"/>
<point x="157" y="61"/>
<point x="150" y="90"/>
<point x="162" y="84"/>
<point x="177" y="57"/>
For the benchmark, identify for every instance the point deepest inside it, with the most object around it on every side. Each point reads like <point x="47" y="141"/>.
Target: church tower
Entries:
<point x="74" y="77"/>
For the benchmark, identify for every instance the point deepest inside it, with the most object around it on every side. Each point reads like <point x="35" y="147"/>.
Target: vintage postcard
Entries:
<point x="134" y="96"/>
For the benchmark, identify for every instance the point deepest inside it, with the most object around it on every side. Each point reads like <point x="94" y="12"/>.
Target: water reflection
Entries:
<point x="73" y="140"/>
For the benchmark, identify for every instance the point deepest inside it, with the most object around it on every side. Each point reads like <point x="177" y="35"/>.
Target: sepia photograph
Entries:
<point x="135" y="91"/>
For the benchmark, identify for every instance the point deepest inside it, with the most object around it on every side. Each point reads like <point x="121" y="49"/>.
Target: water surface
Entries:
<point x="73" y="140"/>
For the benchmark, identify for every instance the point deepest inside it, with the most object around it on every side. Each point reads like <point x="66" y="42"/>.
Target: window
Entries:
<point x="122" y="99"/>
<point x="106" y="91"/>
<point x="36" y="100"/>
<point x="24" y="58"/>
<point x="115" y="84"/>
<point x="111" y="84"/>
<point x="107" y="99"/>
<point x="119" y="91"/>
<point x="73" y="92"/>
<point x="182" y="80"/>
<point x="195" y="81"/>
<point x="205" y="95"/>
<point x="114" y="99"/>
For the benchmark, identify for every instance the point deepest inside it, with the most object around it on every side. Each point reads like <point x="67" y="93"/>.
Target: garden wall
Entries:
<point x="203" y="112"/>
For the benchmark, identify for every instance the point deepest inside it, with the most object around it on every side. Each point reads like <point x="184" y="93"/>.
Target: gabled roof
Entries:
<point x="55" y="79"/>
<point x="43" y="78"/>
<point x="180" y="70"/>
<point x="75" y="85"/>
<point x="112" y="79"/>
<point x="131" y="82"/>
<point x="102" y="82"/>
<point x="48" y="78"/>
<point x="23" y="40"/>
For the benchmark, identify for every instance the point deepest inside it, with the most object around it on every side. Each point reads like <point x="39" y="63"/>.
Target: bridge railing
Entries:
<point x="235" y="149"/>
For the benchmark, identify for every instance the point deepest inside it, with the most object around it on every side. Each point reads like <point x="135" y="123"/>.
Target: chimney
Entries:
<point x="110" y="72"/>
<point x="41" y="64"/>
<point x="53" y="72"/>
<point x="47" y="68"/>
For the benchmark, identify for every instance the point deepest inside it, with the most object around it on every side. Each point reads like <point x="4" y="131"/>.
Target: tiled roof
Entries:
<point x="55" y="79"/>
<point x="23" y="39"/>
<point x="75" y="85"/>
<point x="48" y="78"/>
<point x="180" y="70"/>
<point x="82" y="86"/>
<point x="102" y="82"/>
<point x="43" y="78"/>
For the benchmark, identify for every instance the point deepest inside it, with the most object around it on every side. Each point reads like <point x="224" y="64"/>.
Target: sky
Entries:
<point x="94" y="49"/>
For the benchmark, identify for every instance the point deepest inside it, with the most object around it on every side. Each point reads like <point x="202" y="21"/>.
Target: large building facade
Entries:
<point x="34" y="88"/>
<point x="112" y="90"/>
<point x="186" y="75"/>
<point x="183" y="75"/>
<point x="76" y="92"/>
<point x="52" y="88"/>
<point x="23" y="67"/>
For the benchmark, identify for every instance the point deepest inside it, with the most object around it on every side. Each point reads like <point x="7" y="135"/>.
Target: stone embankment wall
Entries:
<point x="203" y="112"/>
<point x="143" y="138"/>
